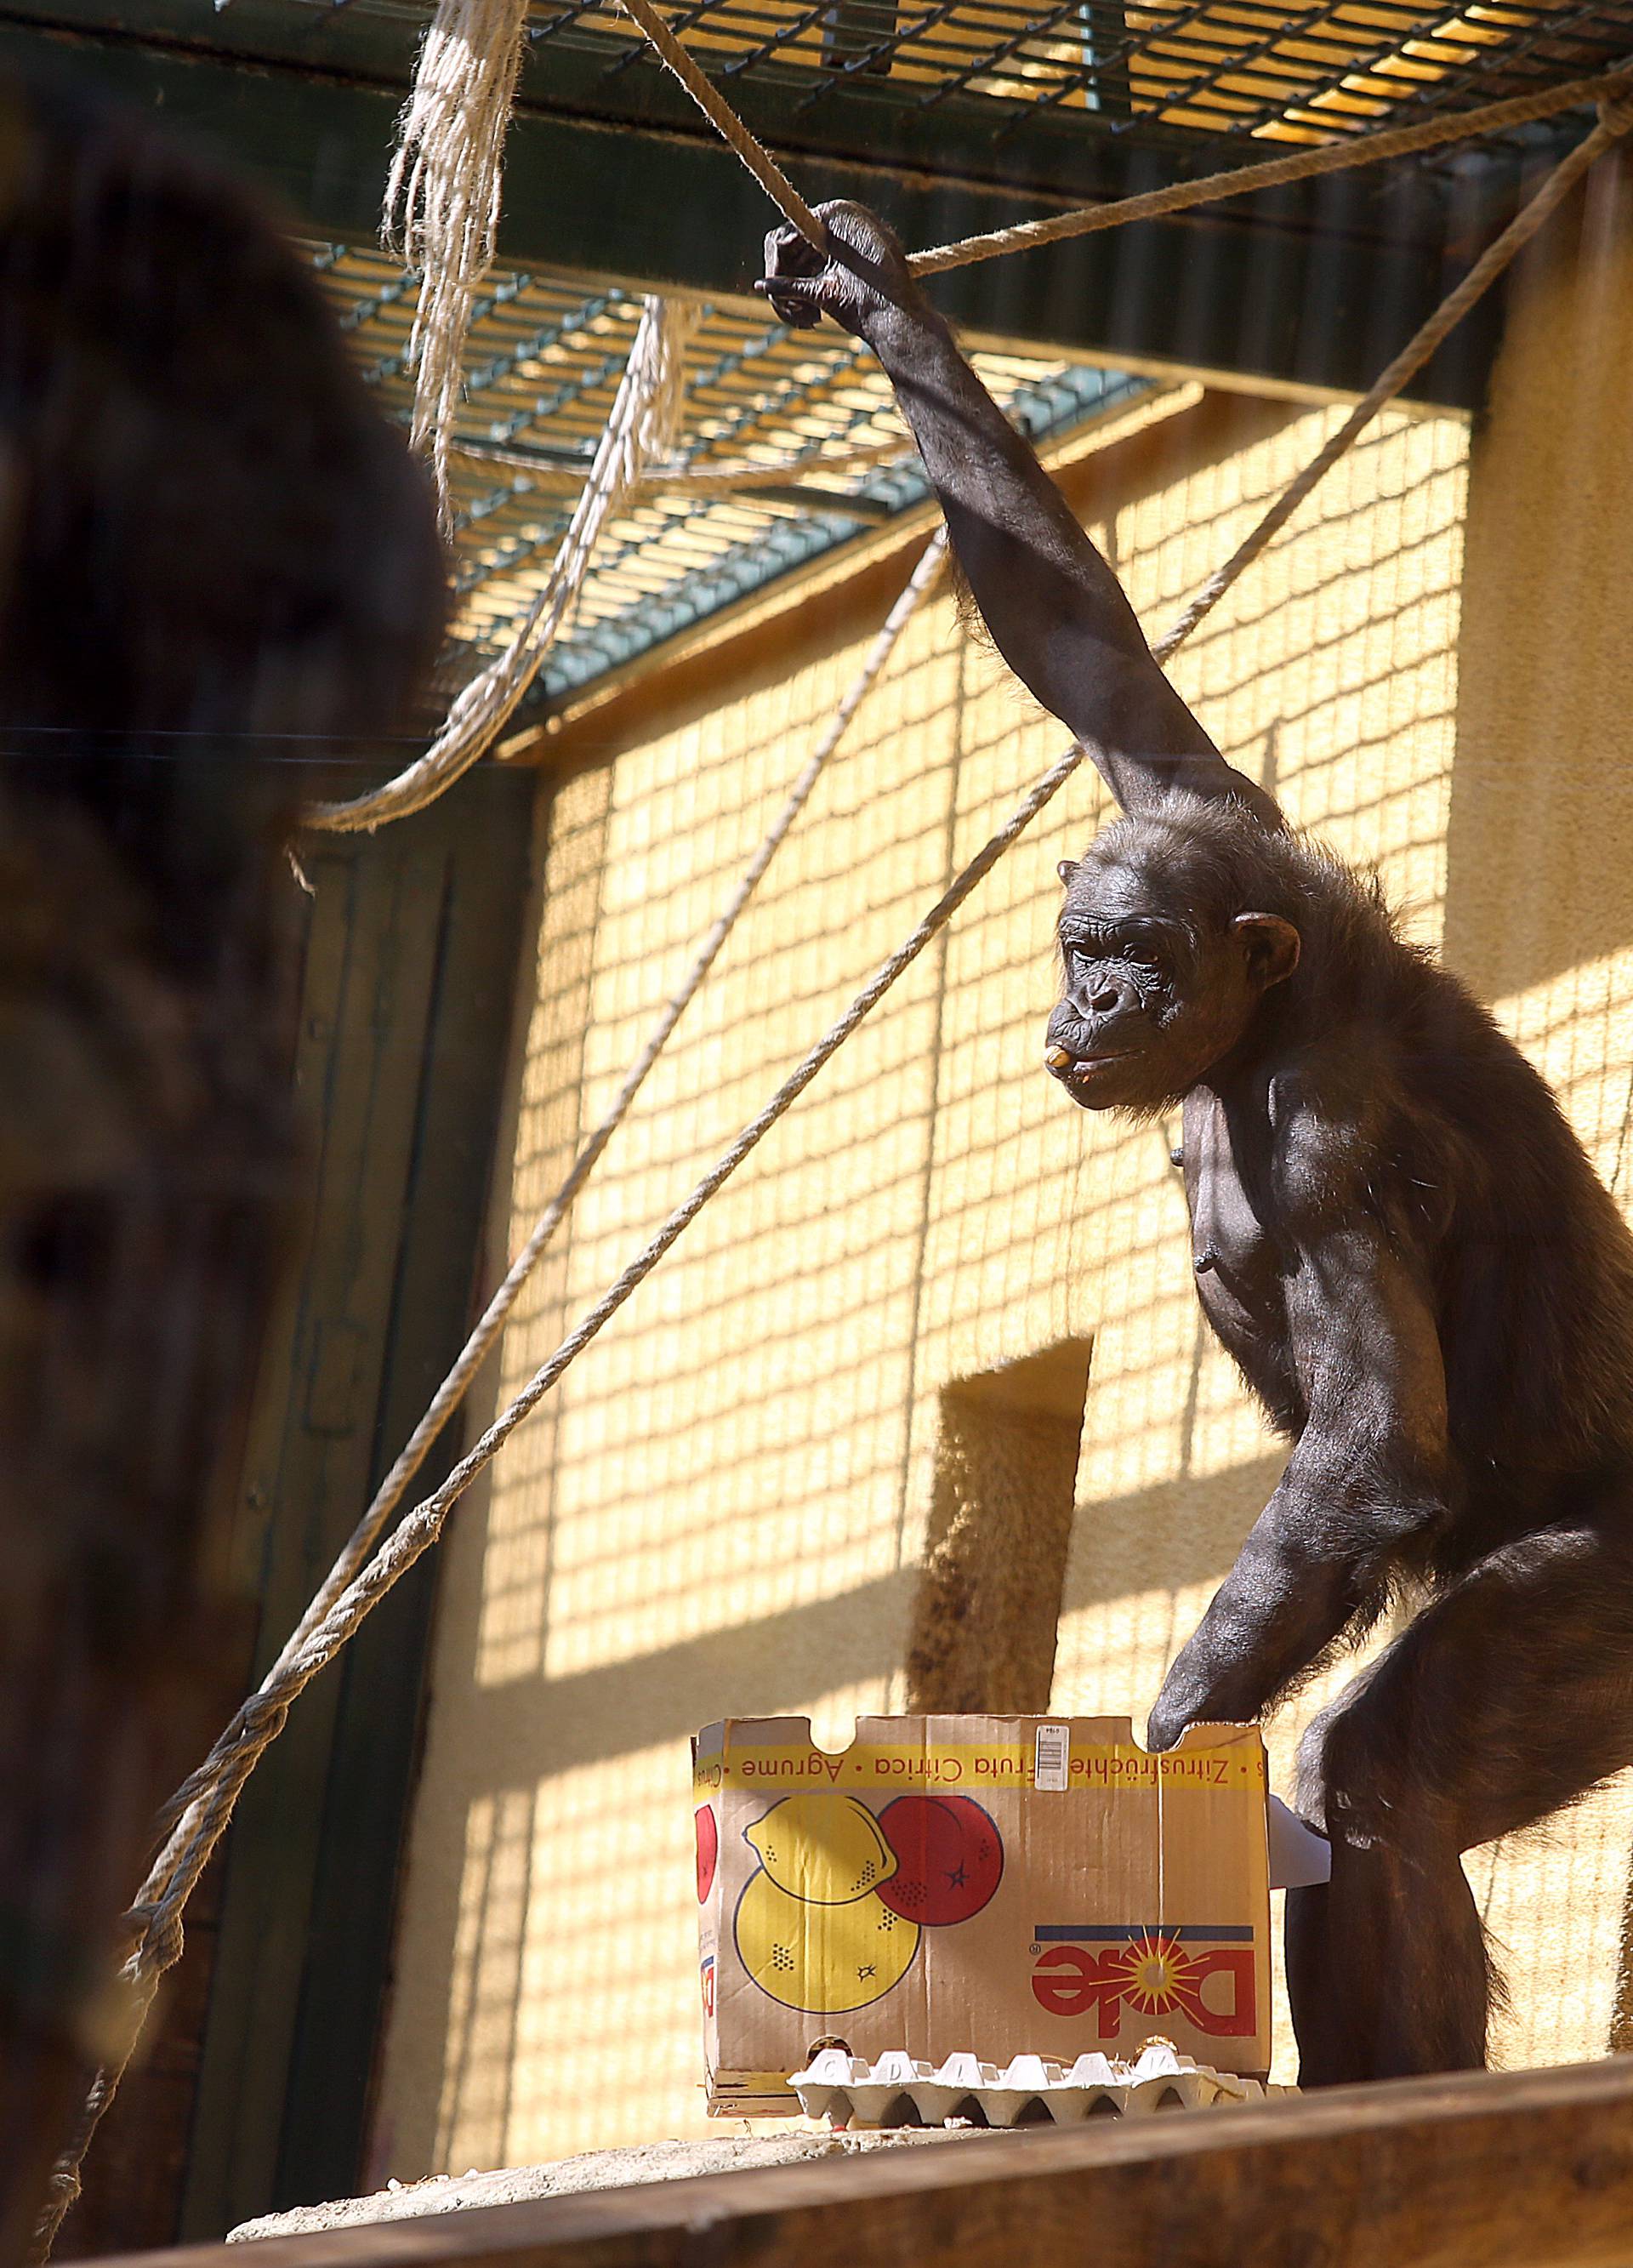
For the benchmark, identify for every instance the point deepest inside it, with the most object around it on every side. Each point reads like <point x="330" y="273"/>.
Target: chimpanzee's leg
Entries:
<point x="1509" y="1695"/>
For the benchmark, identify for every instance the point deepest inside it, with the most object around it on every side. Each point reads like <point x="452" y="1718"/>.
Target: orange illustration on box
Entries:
<point x="832" y="1916"/>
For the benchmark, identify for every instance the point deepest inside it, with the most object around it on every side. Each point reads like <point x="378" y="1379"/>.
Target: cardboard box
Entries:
<point x="997" y="1885"/>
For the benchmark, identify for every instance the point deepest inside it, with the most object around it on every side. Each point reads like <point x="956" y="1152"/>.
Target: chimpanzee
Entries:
<point x="1396" y="1235"/>
<point x="218" y="564"/>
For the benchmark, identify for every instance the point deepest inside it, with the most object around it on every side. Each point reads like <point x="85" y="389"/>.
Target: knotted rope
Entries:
<point x="442" y="197"/>
<point x="640" y="427"/>
<point x="358" y="1582"/>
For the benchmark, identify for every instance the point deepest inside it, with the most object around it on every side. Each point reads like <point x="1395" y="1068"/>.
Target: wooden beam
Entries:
<point x="417" y="937"/>
<point x="1530" y="2170"/>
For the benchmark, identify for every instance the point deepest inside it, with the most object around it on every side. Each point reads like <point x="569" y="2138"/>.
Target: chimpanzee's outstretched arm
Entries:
<point x="1055" y="610"/>
<point x="1370" y="1472"/>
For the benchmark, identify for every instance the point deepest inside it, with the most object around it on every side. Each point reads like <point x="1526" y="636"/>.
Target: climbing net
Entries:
<point x="639" y="430"/>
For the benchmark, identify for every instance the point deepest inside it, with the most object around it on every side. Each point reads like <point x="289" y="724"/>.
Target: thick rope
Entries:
<point x="442" y="196"/>
<point x="1324" y="158"/>
<point x="641" y="425"/>
<point x="1298" y="166"/>
<point x="726" y="124"/>
<point x="326" y="1627"/>
<point x="723" y="476"/>
<point x="1615" y="120"/>
<point x="198" y="1814"/>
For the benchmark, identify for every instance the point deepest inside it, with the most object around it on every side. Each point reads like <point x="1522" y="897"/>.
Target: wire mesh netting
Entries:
<point x="1208" y="67"/>
<point x="803" y="418"/>
<point x="1246" y="67"/>
<point x="730" y="1494"/>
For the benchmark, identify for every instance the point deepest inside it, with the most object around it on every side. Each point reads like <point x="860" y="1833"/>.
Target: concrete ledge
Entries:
<point x="594" y="2169"/>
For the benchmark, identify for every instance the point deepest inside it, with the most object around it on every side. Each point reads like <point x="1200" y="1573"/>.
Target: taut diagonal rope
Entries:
<point x="726" y="123"/>
<point x="1433" y="133"/>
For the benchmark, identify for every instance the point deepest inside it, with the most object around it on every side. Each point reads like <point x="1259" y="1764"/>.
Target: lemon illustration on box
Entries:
<point x="812" y="1928"/>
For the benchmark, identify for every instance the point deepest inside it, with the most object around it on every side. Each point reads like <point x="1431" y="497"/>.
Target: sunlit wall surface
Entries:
<point x="722" y="1508"/>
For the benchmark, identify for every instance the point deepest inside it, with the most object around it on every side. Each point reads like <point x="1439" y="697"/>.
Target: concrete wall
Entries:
<point x="725" y="1506"/>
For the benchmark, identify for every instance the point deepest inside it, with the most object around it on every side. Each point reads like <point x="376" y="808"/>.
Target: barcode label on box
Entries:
<point x="1052" y="1760"/>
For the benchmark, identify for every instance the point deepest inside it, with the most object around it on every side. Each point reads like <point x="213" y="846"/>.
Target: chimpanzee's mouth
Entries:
<point x="1072" y="1069"/>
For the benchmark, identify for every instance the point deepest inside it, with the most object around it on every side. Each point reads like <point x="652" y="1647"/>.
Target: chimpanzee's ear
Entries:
<point x="1272" y="946"/>
<point x="1068" y="871"/>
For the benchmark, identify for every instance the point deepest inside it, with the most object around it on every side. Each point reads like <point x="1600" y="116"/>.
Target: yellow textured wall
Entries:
<point x="1539" y="910"/>
<point x="723" y="1508"/>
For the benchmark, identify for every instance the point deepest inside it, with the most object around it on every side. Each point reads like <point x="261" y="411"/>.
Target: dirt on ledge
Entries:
<point x="594" y="2169"/>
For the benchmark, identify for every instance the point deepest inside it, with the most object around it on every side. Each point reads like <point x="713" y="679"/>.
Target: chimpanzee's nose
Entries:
<point x="1105" y="996"/>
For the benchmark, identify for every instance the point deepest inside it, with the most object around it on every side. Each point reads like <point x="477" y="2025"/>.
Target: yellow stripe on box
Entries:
<point x="986" y="1765"/>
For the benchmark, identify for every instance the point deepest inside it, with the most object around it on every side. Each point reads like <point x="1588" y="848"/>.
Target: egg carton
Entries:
<point x="899" y="2091"/>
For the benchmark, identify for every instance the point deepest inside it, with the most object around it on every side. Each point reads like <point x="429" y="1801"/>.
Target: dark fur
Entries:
<point x="1396" y="1102"/>
<point x="1468" y="1160"/>
<point x="214" y="557"/>
<point x="218" y="565"/>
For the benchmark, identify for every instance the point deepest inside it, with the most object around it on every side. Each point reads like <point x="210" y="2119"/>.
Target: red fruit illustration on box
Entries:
<point x="708" y="1850"/>
<point x="831" y="1919"/>
<point x="949" y="1858"/>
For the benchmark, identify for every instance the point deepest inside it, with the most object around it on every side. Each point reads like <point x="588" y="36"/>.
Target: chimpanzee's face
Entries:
<point x="1154" y="992"/>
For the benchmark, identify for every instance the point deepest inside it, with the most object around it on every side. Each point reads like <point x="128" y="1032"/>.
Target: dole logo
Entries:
<point x="1205" y="1974"/>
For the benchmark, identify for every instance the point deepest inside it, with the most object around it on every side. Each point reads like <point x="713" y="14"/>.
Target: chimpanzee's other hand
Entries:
<point x="863" y="275"/>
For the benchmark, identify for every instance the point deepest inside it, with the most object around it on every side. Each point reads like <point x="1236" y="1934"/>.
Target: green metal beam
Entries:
<point x="610" y="173"/>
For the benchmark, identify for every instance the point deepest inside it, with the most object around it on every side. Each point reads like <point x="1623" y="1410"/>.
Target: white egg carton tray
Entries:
<point x="899" y="2091"/>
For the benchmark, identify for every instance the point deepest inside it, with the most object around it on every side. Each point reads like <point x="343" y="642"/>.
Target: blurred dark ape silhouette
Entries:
<point x="214" y="557"/>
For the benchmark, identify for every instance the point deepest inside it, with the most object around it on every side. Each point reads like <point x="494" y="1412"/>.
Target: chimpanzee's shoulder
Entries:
<point x="1332" y="1113"/>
